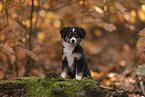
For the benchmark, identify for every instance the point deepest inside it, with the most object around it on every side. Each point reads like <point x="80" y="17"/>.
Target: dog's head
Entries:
<point x="72" y="35"/>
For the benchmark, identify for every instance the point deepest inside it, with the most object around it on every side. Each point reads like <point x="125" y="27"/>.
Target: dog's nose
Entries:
<point x="72" y="40"/>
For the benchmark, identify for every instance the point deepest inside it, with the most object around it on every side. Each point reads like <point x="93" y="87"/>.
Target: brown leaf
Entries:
<point x="120" y="7"/>
<point x="109" y="27"/>
<point x="7" y="49"/>
<point x="20" y="53"/>
<point x="30" y="53"/>
<point x="141" y="42"/>
<point x="3" y="57"/>
<point x="142" y="32"/>
<point x="141" y="45"/>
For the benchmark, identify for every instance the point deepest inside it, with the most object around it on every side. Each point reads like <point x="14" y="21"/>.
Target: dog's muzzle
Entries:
<point x="73" y="40"/>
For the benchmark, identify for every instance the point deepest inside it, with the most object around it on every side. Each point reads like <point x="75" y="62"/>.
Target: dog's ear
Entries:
<point x="63" y="32"/>
<point x="83" y="33"/>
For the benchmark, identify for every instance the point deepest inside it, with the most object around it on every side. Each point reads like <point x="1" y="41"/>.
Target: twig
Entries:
<point x="11" y="2"/>
<point x="30" y="61"/>
<point x="30" y="33"/>
<point x="38" y="8"/>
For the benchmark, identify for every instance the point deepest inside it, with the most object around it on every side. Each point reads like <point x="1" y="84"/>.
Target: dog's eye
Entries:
<point x="69" y="36"/>
<point x="76" y="35"/>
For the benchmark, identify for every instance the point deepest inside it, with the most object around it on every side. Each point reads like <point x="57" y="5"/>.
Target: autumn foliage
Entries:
<point x="30" y="43"/>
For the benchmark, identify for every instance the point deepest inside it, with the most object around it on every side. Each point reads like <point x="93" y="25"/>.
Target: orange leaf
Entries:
<point x="3" y="57"/>
<point x="20" y="53"/>
<point x="142" y="32"/>
<point x="30" y="53"/>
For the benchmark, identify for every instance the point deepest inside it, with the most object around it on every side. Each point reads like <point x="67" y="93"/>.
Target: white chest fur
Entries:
<point x="67" y="52"/>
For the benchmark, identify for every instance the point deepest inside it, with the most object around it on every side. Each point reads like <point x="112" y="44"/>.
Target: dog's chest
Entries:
<point x="68" y="53"/>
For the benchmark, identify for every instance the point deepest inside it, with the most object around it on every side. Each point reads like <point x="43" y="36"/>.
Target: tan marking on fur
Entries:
<point x="78" y="39"/>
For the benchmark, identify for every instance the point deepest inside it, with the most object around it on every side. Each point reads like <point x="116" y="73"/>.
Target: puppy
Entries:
<point x="74" y="62"/>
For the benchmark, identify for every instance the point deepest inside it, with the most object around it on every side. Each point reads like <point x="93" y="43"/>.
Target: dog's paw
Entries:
<point x="78" y="77"/>
<point x="63" y="75"/>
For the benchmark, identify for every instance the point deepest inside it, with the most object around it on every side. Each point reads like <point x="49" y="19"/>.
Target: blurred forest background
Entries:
<point x="31" y="43"/>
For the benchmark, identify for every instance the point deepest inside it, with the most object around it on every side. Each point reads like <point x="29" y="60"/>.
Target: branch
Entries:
<point x="30" y="33"/>
<point x="10" y="3"/>
<point x="67" y="4"/>
<point x="23" y="26"/>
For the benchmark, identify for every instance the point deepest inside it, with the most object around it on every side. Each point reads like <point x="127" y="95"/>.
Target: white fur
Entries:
<point x="73" y="38"/>
<point x="67" y="50"/>
<point x="78" y="77"/>
<point x="73" y="30"/>
<point x="63" y="74"/>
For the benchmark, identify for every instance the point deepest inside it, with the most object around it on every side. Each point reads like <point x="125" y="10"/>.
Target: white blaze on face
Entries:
<point x="73" y="30"/>
<point x="73" y="38"/>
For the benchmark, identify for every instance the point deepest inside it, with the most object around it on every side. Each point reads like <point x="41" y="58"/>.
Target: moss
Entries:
<point x="50" y="86"/>
<point x="56" y="86"/>
<point x="69" y="87"/>
<point x="53" y="85"/>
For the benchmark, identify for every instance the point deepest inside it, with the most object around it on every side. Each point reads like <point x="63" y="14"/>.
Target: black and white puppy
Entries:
<point x="74" y="62"/>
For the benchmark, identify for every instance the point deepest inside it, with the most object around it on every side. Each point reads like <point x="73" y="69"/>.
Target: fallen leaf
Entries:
<point x="120" y="7"/>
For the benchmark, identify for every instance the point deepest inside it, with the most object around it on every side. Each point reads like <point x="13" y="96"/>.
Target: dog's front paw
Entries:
<point x="63" y="74"/>
<point x="78" y="77"/>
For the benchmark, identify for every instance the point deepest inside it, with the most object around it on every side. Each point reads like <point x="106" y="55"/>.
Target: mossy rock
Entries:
<point x="52" y="85"/>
